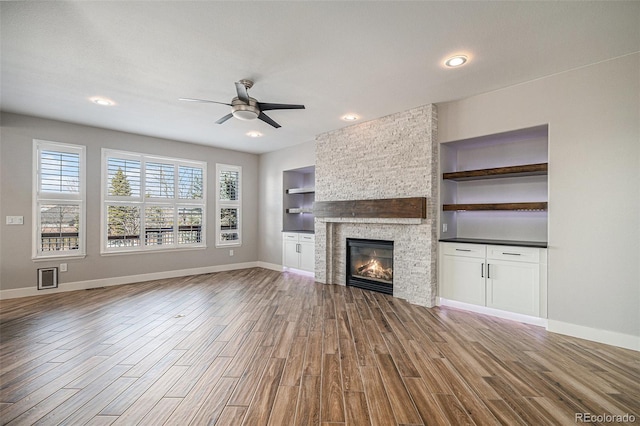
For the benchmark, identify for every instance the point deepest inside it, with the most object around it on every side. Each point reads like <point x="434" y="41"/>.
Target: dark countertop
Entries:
<point x="299" y="231"/>
<point x="537" y="244"/>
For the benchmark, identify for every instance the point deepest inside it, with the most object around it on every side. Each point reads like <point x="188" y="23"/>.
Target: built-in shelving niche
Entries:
<point x="496" y="186"/>
<point x="298" y="199"/>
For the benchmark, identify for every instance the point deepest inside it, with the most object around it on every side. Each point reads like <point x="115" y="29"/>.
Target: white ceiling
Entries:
<point x="369" y="58"/>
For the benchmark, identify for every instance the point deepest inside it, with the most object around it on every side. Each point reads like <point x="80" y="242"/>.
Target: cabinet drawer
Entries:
<point x="290" y="236"/>
<point x="307" y="238"/>
<point x="468" y="250"/>
<point x="518" y="254"/>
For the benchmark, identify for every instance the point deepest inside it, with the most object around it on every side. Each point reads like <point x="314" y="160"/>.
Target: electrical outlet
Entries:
<point x="230" y="252"/>
<point x="63" y="267"/>
<point x="444" y="227"/>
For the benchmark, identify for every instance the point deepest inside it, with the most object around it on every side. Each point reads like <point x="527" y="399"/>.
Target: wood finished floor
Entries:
<point x="258" y="347"/>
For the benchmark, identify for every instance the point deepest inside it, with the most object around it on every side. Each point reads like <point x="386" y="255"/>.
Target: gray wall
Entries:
<point x="272" y="165"/>
<point x="17" y="270"/>
<point x="594" y="183"/>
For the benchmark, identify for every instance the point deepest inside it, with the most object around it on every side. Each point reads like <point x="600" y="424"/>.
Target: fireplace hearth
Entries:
<point x="370" y="265"/>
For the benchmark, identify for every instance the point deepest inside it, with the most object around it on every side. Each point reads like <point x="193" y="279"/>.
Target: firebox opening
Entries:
<point x="370" y="264"/>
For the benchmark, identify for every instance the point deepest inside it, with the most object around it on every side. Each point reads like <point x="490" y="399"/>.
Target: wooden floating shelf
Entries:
<point x="300" y="210"/>
<point x="535" y="206"/>
<point x="301" y="190"/>
<point x="498" y="172"/>
<point x="396" y="208"/>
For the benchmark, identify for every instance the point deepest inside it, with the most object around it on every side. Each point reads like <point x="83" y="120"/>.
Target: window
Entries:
<point x="58" y="200"/>
<point x="152" y="203"/>
<point x="229" y="205"/>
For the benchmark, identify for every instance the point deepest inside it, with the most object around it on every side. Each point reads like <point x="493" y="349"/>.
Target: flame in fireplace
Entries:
<point x="373" y="269"/>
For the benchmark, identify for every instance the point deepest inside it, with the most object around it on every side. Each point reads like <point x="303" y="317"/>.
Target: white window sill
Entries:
<point x="59" y="257"/>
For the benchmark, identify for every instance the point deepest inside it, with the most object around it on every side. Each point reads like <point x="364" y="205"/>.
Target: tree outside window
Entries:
<point x="152" y="202"/>
<point x="228" y="191"/>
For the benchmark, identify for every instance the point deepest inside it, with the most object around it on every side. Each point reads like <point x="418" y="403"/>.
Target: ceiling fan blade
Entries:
<point x="267" y="106"/>
<point x="225" y="118"/>
<point x="268" y="120"/>
<point x="243" y="95"/>
<point x="203" y="100"/>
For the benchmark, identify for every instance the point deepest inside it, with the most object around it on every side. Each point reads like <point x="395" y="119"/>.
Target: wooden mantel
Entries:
<point x="396" y="208"/>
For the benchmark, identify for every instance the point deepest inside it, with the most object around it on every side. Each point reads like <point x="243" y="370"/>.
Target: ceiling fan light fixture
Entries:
<point x="245" y="111"/>
<point x="456" y="61"/>
<point x="245" y="115"/>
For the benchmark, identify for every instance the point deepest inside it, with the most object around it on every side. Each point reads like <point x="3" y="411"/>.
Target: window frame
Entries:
<point x="143" y="202"/>
<point x="222" y="204"/>
<point x="40" y="197"/>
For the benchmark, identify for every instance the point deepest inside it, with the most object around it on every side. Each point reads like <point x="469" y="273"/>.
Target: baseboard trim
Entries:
<point x="272" y="266"/>
<point x="607" y="337"/>
<point x="298" y="271"/>
<point x="527" y="319"/>
<point x="129" y="279"/>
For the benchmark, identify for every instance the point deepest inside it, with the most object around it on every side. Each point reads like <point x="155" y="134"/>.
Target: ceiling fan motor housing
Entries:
<point x="243" y="111"/>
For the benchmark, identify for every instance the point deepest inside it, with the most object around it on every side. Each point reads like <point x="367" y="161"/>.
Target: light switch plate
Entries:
<point x="15" y="220"/>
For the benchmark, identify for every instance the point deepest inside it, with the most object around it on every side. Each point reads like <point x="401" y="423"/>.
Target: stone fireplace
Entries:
<point x="392" y="157"/>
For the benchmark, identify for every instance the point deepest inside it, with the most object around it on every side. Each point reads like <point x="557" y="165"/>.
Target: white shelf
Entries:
<point x="301" y="190"/>
<point x="298" y="210"/>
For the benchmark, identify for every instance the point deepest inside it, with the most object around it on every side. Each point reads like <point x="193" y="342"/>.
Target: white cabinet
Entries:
<point x="290" y="253"/>
<point x="298" y="251"/>
<point x="509" y="278"/>
<point x="462" y="272"/>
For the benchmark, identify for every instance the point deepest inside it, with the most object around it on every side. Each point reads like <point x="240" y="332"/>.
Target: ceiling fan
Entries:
<point x="244" y="107"/>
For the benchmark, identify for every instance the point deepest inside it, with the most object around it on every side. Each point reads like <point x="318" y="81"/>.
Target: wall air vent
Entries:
<point x="47" y="278"/>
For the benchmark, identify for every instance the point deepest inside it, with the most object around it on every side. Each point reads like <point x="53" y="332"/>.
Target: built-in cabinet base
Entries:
<point x="298" y="251"/>
<point x="508" y="278"/>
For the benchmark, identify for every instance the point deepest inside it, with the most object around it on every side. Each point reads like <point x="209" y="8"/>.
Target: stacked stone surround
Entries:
<point x="392" y="157"/>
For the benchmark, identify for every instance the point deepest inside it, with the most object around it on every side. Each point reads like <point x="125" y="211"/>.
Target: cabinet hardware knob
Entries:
<point x="512" y="254"/>
<point x="463" y="250"/>
<point x="482" y="270"/>
<point x="488" y="270"/>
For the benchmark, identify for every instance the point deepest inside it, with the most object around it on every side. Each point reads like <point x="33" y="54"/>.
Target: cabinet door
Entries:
<point x="514" y="286"/>
<point x="463" y="279"/>
<point x="307" y="257"/>
<point x="290" y="255"/>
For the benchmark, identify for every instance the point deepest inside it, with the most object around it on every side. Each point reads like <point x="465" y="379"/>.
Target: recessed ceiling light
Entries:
<point x="254" y="134"/>
<point x="350" y="117"/>
<point x="456" y="61"/>
<point x="102" y="101"/>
